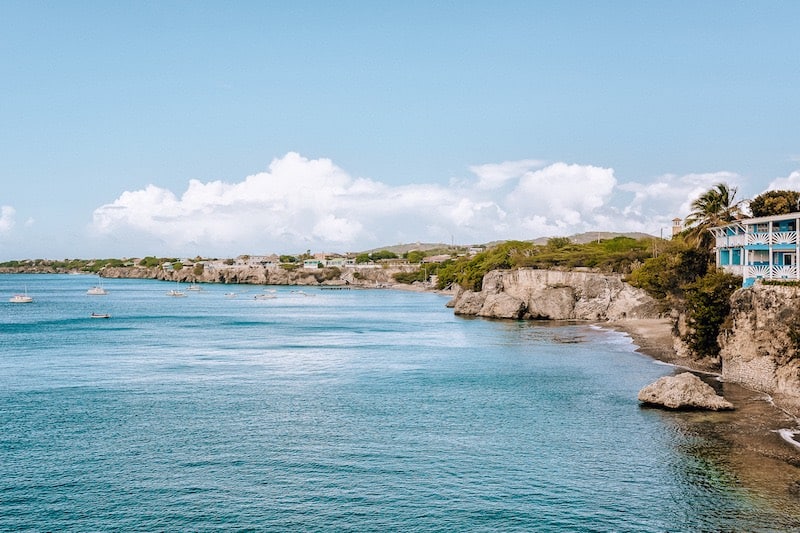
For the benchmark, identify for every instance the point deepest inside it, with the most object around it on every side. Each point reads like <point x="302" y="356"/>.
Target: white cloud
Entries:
<point x="337" y="230"/>
<point x="789" y="183"/>
<point x="495" y="175"/>
<point x="670" y="196"/>
<point x="300" y="203"/>
<point x="7" y="218"/>
<point x="562" y="195"/>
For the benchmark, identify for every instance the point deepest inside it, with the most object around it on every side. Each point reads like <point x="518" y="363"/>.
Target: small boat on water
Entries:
<point x="97" y="290"/>
<point x="194" y="287"/>
<point x="176" y="292"/>
<point x="265" y="296"/>
<point x="20" y="299"/>
<point x="100" y="315"/>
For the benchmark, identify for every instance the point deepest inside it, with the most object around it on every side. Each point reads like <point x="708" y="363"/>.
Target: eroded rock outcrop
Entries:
<point x="760" y="349"/>
<point x="555" y="295"/>
<point x="258" y="275"/>
<point x="684" y="391"/>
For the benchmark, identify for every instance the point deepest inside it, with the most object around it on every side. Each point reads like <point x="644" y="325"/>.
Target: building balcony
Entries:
<point x="763" y="271"/>
<point x="784" y="237"/>
<point x="729" y="241"/>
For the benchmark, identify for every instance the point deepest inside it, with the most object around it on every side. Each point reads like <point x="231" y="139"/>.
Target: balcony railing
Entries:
<point x="731" y="240"/>
<point x="784" y="237"/>
<point x="758" y="238"/>
<point x="779" y="237"/>
<point x="763" y="271"/>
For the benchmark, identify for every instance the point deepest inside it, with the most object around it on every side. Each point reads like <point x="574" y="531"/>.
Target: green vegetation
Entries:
<point x="415" y="256"/>
<point x="67" y="265"/>
<point x="664" y="277"/>
<point x="775" y="203"/>
<point x="781" y="282"/>
<point x="683" y="276"/>
<point x="151" y="261"/>
<point x="327" y="274"/>
<point x="708" y="304"/>
<point x="375" y="256"/>
<point x="410" y="277"/>
<point x="619" y="254"/>
<point x="715" y="207"/>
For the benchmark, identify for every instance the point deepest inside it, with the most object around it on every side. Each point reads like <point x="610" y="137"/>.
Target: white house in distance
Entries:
<point x="759" y="248"/>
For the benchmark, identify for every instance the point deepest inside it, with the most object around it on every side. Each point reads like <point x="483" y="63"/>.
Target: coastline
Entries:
<point x="754" y="449"/>
<point x="652" y="336"/>
<point x="759" y="429"/>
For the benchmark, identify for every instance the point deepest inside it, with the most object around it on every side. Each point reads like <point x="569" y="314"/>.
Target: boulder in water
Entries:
<point x="684" y="391"/>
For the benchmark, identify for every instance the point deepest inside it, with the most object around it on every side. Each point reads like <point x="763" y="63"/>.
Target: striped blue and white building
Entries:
<point x="759" y="248"/>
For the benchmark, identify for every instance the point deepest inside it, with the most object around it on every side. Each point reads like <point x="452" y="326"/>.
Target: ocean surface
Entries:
<point x="351" y="410"/>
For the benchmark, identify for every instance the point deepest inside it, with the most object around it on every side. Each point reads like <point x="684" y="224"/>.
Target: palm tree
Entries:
<point x="715" y="207"/>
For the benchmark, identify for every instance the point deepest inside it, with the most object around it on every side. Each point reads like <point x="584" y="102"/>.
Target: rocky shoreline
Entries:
<point x="758" y="431"/>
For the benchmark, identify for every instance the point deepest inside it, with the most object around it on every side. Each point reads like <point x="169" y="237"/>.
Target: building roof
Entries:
<point x="759" y="220"/>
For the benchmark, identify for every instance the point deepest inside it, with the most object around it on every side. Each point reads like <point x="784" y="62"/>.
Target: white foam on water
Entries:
<point x="788" y="435"/>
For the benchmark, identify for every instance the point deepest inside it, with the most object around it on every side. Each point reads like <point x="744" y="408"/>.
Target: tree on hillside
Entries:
<point x="775" y="203"/>
<point x="715" y="207"/>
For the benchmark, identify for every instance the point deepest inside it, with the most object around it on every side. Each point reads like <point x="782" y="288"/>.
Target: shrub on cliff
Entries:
<point x="665" y="276"/>
<point x="610" y="255"/>
<point x="708" y="304"/>
<point x="409" y="277"/>
<point x="469" y="271"/>
<point x="375" y="256"/>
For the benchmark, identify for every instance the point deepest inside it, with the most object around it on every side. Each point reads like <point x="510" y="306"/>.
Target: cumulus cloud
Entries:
<point x="561" y="196"/>
<point x="671" y="195"/>
<point x="495" y="175"/>
<point x="300" y="203"/>
<point x="789" y="183"/>
<point x="7" y="218"/>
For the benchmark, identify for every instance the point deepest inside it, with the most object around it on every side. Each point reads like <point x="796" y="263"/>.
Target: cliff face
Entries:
<point x="260" y="275"/>
<point x="555" y="295"/>
<point x="760" y="348"/>
<point x="758" y="351"/>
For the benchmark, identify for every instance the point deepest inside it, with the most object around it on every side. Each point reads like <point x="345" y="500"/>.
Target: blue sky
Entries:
<point x="221" y="128"/>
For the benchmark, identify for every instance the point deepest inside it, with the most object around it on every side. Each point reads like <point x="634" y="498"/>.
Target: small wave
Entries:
<point x="663" y="363"/>
<point x="788" y="435"/>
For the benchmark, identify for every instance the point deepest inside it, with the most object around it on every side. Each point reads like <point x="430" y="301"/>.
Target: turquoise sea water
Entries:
<point x="336" y="411"/>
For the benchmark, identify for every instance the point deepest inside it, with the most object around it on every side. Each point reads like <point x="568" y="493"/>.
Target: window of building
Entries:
<point x="759" y="257"/>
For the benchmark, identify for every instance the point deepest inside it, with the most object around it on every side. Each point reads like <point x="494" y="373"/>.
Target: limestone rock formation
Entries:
<point x="502" y="305"/>
<point x="684" y="391"/>
<point x="258" y="275"/>
<point x="760" y="350"/>
<point x="555" y="295"/>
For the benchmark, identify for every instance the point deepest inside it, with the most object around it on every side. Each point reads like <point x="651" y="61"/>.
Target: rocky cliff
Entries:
<point x="555" y="295"/>
<point x="760" y="348"/>
<point x="257" y="275"/>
